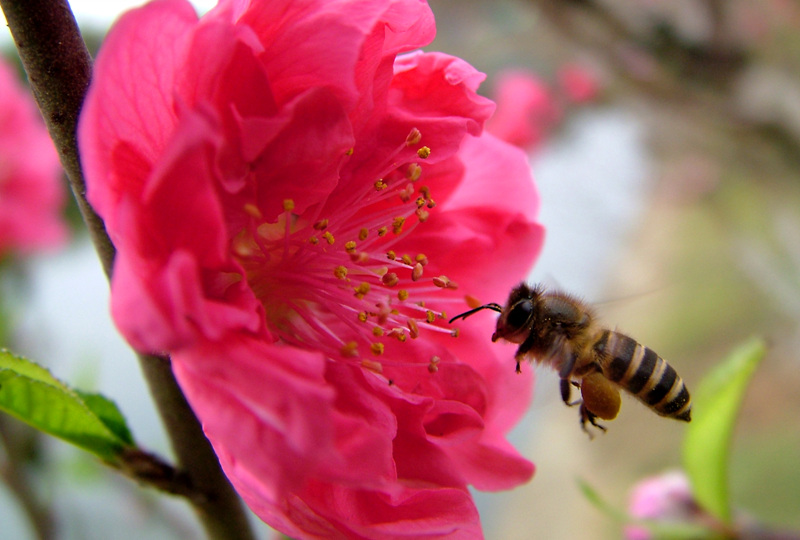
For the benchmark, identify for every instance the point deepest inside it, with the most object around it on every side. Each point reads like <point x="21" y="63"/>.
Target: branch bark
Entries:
<point x="59" y="70"/>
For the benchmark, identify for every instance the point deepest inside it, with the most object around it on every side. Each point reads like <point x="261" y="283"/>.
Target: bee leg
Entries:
<point x="588" y="416"/>
<point x="566" y="392"/>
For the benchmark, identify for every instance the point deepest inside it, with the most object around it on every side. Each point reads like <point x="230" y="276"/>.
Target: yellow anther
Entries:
<point x="406" y="259"/>
<point x="363" y="234"/>
<point x="421" y="259"/>
<point x="397" y="224"/>
<point x="372" y="365"/>
<point x="382" y="231"/>
<point x="424" y="152"/>
<point x="321" y="225"/>
<point x="413" y="328"/>
<point x="433" y="365"/>
<point x="359" y="258"/>
<point x="420" y="202"/>
<point x="380" y="185"/>
<point x="441" y="281"/>
<point x="350" y="247"/>
<point x="425" y="191"/>
<point x="413" y="137"/>
<point x="430" y="316"/>
<point x="471" y="301"/>
<point x="416" y="272"/>
<point x="349" y="349"/>
<point x="431" y="203"/>
<point x="406" y="193"/>
<point x="402" y="295"/>
<point x="252" y="210"/>
<point x="349" y="152"/>
<point x="377" y="349"/>
<point x="454" y="332"/>
<point x="444" y="282"/>
<point x="340" y="272"/>
<point x="391" y="255"/>
<point x="288" y="205"/>
<point x="413" y="172"/>
<point x="390" y="279"/>
<point x="362" y="290"/>
<point x="362" y="316"/>
<point x="377" y="331"/>
<point x="313" y="240"/>
<point x="399" y="334"/>
<point x="422" y="215"/>
<point x="328" y="237"/>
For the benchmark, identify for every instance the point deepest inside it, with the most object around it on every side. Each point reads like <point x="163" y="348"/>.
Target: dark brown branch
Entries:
<point x="59" y="70"/>
<point x="20" y="442"/>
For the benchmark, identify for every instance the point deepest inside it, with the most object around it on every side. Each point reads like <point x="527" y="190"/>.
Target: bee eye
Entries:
<point x="520" y="314"/>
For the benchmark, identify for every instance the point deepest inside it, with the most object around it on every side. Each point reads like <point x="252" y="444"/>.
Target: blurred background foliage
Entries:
<point x="672" y="200"/>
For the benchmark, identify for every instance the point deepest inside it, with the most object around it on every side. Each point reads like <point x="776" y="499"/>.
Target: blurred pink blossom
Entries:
<point x="526" y="109"/>
<point x="578" y="83"/>
<point x="31" y="193"/>
<point x="295" y="207"/>
<point x="666" y="497"/>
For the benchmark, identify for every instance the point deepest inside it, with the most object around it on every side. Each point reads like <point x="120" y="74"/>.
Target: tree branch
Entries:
<point x="59" y="70"/>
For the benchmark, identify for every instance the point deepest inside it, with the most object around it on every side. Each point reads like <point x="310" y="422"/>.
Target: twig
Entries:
<point x="17" y="439"/>
<point x="59" y="70"/>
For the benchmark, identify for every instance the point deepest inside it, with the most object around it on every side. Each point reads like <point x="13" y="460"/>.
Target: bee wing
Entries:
<point x="561" y="356"/>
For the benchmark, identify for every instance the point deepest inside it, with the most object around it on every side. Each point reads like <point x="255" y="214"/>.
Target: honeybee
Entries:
<point x="558" y="330"/>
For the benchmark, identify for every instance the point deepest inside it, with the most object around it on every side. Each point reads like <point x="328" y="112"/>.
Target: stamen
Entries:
<point x="340" y="272"/>
<point x="372" y="365"/>
<point x="444" y="282"/>
<point x="416" y="273"/>
<point x="433" y="366"/>
<point x="253" y="211"/>
<point x="414" y="137"/>
<point x="413" y="172"/>
<point x="349" y="349"/>
<point x="424" y="152"/>
<point x="390" y="279"/>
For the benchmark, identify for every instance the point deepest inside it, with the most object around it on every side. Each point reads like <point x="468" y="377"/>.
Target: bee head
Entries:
<point x="516" y="318"/>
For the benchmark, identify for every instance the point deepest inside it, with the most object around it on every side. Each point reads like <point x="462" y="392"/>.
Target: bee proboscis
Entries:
<point x="557" y="329"/>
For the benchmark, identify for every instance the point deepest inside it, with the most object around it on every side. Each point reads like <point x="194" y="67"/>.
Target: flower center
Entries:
<point x="333" y="282"/>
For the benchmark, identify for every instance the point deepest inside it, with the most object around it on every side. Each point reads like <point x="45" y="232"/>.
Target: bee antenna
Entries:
<point x="494" y="307"/>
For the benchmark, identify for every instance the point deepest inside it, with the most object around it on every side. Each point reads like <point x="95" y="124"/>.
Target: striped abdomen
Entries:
<point x="644" y="374"/>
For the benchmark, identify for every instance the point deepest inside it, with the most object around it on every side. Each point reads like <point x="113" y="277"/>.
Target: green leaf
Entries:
<point x="108" y="413"/>
<point x="30" y="393"/>
<point x="706" y="448"/>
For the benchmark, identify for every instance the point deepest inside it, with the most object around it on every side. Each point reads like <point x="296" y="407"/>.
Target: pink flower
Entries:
<point x="293" y="205"/>
<point x="578" y="83"/>
<point x="666" y="497"/>
<point x="31" y="196"/>
<point x="526" y="109"/>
